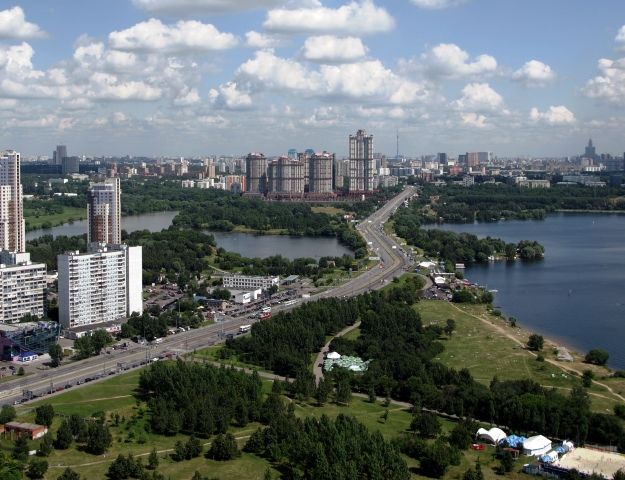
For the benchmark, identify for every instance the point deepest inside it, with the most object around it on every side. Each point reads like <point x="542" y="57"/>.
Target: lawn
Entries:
<point x="487" y="352"/>
<point x="329" y="210"/>
<point x="69" y="213"/>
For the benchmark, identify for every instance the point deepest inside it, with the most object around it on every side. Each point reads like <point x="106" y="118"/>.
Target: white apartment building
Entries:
<point x="100" y="286"/>
<point x="22" y="287"/>
<point x="12" y="226"/>
<point x="249" y="282"/>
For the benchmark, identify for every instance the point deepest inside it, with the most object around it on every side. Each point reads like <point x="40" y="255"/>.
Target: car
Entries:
<point x="69" y="385"/>
<point x="88" y="379"/>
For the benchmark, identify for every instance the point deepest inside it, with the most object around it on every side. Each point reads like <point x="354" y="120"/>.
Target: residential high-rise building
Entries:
<point x="104" y="212"/>
<point x="70" y="165"/>
<point x="361" y="162"/>
<point x="321" y="173"/>
<point x="12" y="227"/>
<point x="285" y="176"/>
<point x="22" y="287"/>
<point x="101" y="286"/>
<point x="256" y="173"/>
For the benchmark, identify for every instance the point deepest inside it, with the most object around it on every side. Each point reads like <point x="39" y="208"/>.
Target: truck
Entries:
<point x="265" y="315"/>
<point x="245" y="328"/>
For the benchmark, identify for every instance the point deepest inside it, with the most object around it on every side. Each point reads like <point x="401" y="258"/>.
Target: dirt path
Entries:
<point x="317" y="369"/>
<point x="509" y="335"/>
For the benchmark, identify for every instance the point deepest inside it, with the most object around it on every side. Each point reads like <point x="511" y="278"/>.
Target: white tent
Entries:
<point x="439" y="281"/>
<point x="536" y="445"/>
<point x="493" y="436"/>
<point x="427" y="265"/>
<point x="333" y="356"/>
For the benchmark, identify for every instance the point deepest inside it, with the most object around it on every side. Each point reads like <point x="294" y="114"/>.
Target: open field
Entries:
<point x="480" y="344"/>
<point x="69" y="213"/>
<point x="590" y="461"/>
<point x="329" y="210"/>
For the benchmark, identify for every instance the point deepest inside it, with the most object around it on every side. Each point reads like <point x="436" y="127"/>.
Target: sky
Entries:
<point x="201" y="77"/>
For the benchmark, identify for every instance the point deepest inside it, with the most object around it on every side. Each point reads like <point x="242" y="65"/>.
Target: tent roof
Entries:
<point x="334" y="355"/>
<point x="536" y="443"/>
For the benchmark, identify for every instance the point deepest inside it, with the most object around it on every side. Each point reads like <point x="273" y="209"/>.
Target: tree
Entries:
<point x="323" y="391"/>
<point x="44" y="415"/>
<point x="64" y="436"/>
<point x="10" y="469"/>
<point x="119" y="469"/>
<point x="587" y="377"/>
<point x="56" y="354"/>
<point x="460" y="436"/>
<point x="180" y="451"/>
<point x="507" y="463"/>
<point x="450" y="326"/>
<point x="193" y="447"/>
<point x="46" y="445"/>
<point x="535" y="342"/>
<point x="224" y="447"/>
<point x="153" y="460"/>
<point x="619" y="475"/>
<point x="99" y="438"/>
<point x="84" y="346"/>
<point x="597" y="357"/>
<point x="69" y="474"/>
<point x="426" y="425"/>
<point x="7" y="414"/>
<point x="21" y="371"/>
<point x="99" y="340"/>
<point x="37" y="469"/>
<point x="21" y="449"/>
<point x="269" y="476"/>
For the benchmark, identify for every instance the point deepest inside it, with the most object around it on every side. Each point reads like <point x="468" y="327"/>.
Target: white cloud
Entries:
<point x="610" y="84"/>
<point x="357" y="18"/>
<point x="475" y="120"/>
<point x="449" y="60"/>
<point x="13" y="24"/>
<point x="230" y="96"/>
<point x="105" y="86"/>
<point x="188" y="96"/>
<point x="534" y="74"/>
<point x="555" y="115"/>
<point x="436" y="4"/>
<point x="154" y="36"/>
<point x="620" y="38"/>
<point x="364" y="81"/>
<point x="187" y="7"/>
<point x="479" y="97"/>
<point x="331" y="49"/>
<point x="262" y="40"/>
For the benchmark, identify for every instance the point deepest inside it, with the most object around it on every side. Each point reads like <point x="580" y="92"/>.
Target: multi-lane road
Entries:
<point x="393" y="262"/>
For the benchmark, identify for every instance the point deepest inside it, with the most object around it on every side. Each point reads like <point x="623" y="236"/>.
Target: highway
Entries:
<point x="393" y="263"/>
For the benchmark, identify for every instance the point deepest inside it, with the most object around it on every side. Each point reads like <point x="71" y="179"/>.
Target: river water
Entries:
<point x="251" y="245"/>
<point x="575" y="295"/>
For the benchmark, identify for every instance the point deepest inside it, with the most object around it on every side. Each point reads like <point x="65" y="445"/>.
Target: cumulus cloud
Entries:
<point x="479" y="97"/>
<point x="356" y="18"/>
<point x="103" y="86"/>
<point x="13" y="24"/>
<point x="154" y="36"/>
<point x="449" y="60"/>
<point x="365" y="81"/>
<point x="475" y="120"/>
<point x="534" y="74"/>
<point x="620" y="38"/>
<point x="186" y="97"/>
<point x="188" y="7"/>
<point x="230" y="96"/>
<point x="609" y="85"/>
<point x="554" y="115"/>
<point x="436" y="4"/>
<point x="331" y="49"/>
<point x="255" y="39"/>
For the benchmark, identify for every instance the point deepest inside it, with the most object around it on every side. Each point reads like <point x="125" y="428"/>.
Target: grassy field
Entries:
<point x="69" y="213"/>
<point x="329" y="210"/>
<point x="486" y="351"/>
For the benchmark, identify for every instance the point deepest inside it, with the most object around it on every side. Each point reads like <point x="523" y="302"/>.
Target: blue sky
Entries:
<point x="199" y="77"/>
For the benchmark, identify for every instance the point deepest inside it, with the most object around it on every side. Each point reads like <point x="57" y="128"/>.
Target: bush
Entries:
<point x="224" y="447"/>
<point x="597" y="357"/>
<point x="535" y="342"/>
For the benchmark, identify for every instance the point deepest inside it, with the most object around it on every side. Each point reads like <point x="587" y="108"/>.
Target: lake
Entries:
<point x="251" y="245"/>
<point x="154" y="222"/>
<point x="575" y="295"/>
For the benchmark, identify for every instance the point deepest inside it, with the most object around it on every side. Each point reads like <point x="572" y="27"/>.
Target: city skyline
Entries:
<point x="156" y="77"/>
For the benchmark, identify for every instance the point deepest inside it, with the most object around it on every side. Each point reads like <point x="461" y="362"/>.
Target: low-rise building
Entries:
<point x="249" y="282"/>
<point x="31" y="430"/>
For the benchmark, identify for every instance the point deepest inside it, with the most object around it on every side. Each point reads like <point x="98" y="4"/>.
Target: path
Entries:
<point x="318" y="365"/>
<point x="507" y="334"/>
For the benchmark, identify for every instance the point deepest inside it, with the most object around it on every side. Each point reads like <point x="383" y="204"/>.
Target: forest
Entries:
<point x="491" y="203"/>
<point x="459" y="247"/>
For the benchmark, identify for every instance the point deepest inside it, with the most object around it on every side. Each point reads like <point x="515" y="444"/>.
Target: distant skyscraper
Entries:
<point x="59" y="154"/>
<point x="361" y="162"/>
<point x="256" y="173"/>
<point x="590" y="151"/>
<point x="12" y="227"/>
<point x="104" y="212"/>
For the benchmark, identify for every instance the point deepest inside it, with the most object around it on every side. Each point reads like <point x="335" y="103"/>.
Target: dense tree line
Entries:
<point x="285" y="342"/>
<point x="325" y="449"/>
<point x="45" y="249"/>
<point x="491" y="203"/>
<point x="155" y="324"/>
<point x="459" y="247"/>
<point x="199" y="399"/>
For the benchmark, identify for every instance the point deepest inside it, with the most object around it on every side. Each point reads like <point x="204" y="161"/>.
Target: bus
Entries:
<point x="245" y="328"/>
